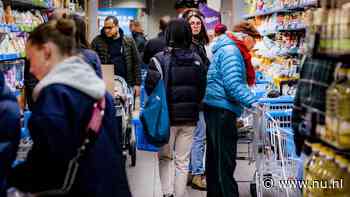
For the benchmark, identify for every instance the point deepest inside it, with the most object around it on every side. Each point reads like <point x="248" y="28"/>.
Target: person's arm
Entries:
<point x="136" y="62"/>
<point x="10" y="125"/>
<point x="232" y="67"/>
<point x="94" y="45"/>
<point x="152" y="78"/>
<point x="147" y="53"/>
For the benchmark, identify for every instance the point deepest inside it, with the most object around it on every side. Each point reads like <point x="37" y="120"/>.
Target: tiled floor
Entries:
<point x="144" y="178"/>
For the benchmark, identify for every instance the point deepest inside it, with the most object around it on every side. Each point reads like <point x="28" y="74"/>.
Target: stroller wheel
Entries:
<point x="132" y="152"/>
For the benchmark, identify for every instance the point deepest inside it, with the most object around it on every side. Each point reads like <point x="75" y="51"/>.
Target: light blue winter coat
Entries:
<point x="226" y="83"/>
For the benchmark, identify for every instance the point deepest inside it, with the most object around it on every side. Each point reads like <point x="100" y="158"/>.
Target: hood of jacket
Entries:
<point x="222" y="41"/>
<point x="5" y="92"/>
<point x="75" y="73"/>
<point x="104" y="36"/>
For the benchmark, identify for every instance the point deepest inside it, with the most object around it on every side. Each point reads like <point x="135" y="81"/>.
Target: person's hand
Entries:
<point x="255" y="105"/>
<point x="137" y="91"/>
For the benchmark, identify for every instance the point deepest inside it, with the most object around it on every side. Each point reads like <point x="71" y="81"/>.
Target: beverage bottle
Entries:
<point x="332" y="105"/>
<point x="343" y="113"/>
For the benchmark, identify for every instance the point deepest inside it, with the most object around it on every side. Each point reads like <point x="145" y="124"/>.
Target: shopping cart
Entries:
<point x="273" y="147"/>
<point x="124" y="102"/>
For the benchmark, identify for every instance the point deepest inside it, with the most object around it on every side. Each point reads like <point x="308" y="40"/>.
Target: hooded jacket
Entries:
<point x="63" y="106"/>
<point x="9" y="131"/>
<point x="186" y="80"/>
<point x="130" y="55"/>
<point x="226" y="81"/>
<point x="153" y="46"/>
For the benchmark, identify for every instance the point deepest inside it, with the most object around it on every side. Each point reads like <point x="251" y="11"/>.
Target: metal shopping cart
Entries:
<point x="273" y="147"/>
<point x="124" y="102"/>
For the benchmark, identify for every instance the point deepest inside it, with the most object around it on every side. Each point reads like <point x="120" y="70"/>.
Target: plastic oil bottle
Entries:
<point x="343" y="114"/>
<point x="330" y="168"/>
<point x="316" y="173"/>
<point x="340" y="177"/>
<point x="310" y="165"/>
<point x="332" y="106"/>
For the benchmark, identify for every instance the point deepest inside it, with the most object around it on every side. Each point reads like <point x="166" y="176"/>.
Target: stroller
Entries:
<point x="124" y="104"/>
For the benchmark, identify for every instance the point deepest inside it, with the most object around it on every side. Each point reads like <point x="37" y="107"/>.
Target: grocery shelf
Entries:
<point x="27" y="4"/>
<point x="281" y="10"/>
<point x="10" y="57"/>
<point x="341" y="58"/>
<point x="279" y="30"/>
<point x="344" y="152"/>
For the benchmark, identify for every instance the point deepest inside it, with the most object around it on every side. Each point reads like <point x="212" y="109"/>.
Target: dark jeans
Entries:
<point x="221" y="152"/>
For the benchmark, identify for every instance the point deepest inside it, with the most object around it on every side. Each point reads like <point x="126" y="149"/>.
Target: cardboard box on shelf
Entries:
<point x="108" y="77"/>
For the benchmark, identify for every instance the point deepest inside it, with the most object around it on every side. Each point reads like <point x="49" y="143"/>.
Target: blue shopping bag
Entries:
<point x="155" y="115"/>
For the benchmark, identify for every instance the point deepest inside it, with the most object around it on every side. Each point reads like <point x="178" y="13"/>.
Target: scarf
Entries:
<point x="250" y="72"/>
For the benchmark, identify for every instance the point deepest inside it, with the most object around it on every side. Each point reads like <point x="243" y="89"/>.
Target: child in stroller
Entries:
<point x="124" y="104"/>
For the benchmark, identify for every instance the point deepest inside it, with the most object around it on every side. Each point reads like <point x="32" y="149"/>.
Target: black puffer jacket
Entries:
<point x="131" y="56"/>
<point x="199" y="48"/>
<point x="186" y="81"/>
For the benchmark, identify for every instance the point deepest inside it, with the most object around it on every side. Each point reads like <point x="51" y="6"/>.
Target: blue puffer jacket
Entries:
<point x="226" y="82"/>
<point x="9" y="131"/>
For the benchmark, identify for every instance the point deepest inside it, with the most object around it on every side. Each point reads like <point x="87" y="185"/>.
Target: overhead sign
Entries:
<point x="124" y="15"/>
<point x="212" y="17"/>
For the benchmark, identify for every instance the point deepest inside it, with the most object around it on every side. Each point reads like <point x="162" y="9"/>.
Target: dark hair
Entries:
<point x="113" y="18"/>
<point x="61" y="32"/>
<point x="80" y="35"/>
<point x="247" y="28"/>
<point x="188" y="3"/>
<point x="163" y="22"/>
<point x="178" y="34"/>
<point x="203" y="35"/>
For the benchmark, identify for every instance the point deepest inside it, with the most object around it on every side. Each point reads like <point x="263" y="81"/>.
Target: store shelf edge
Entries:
<point x="280" y="10"/>
<point x="27" y="5"/>
<point x="345" y="152"/>
<point x="11" y="57"/>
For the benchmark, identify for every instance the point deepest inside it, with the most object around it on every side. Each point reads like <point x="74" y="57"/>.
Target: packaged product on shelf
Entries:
<point x="332" y="104"/>
<point x="343" y="114"/>
<point x="342" y="176"/>
<point x="14" y="73"/>
<point x="345" y="30"/>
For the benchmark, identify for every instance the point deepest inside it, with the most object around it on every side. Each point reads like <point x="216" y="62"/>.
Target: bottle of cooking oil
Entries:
<point x="339" y="176"/>
<point x="327" y="173"/>
<point x="310" y="165"/>
<point x="332" y="105"/>
<point x="343" y="113"/>
<point x="316" y="173"/>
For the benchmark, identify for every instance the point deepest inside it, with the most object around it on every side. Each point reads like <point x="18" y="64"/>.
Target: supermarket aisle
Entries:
<point x="144" y="178"/>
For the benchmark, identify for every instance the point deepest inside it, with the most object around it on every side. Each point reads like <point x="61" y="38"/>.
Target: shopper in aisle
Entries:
<point x="113" y="47"/>
<point x="65" y="103"/>
<point x="199" y="40"/>
<point x="227" y="91"/>
<point x="138" y="35"/>
<point x="199" y="33"/>
<point x="10" y="125"/>
<point x="83" y="46"/>
<point x="218" y="31"/>
<point x="184" y="75"/>
<point x="181" y="6"/>
<point x="156" y="45"/>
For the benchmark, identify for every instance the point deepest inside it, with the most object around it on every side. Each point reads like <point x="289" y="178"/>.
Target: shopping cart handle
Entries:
<point x="285" y="113"/>
<point x="281" y="99"/>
